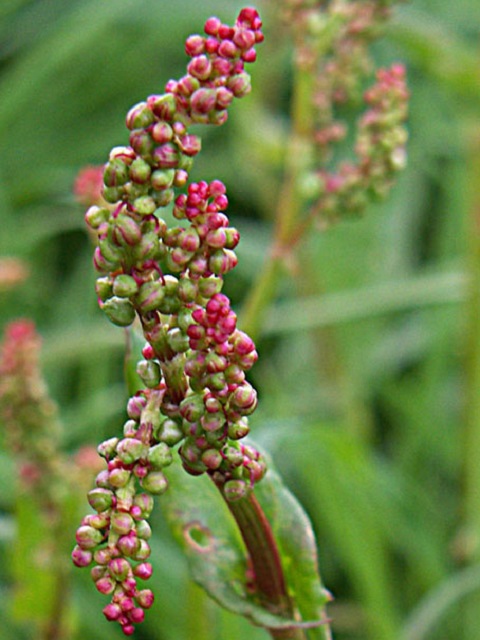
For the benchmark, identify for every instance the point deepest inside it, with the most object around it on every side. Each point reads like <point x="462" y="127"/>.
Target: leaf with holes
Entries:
<point x="203" y="525"/>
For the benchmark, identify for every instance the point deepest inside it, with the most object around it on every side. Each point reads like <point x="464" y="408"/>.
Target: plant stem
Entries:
<point x="265" y="558"/>
<point x="290" y="204"/>
<point x="471" y="439"/>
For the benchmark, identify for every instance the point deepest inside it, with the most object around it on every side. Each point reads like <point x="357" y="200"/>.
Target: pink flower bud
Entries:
<point x="137" y="615"/>
<point x="105" y="586"/>
<point x="128" y="545"/>
<point x="81" y="557"/>
<point x="163" y="106"/>
<point x="112" y="611"/>
<point x="194" y="45"/>
<point x="212" y="26"/>
<point x="139" y="116"/>
<point x="239" y="84"/>
<point x="143" y="570"/>
<point x="88" y="537"/>
<point x="119" y="569"/>
<point x="145" y="598"/>
<point x="203" y="101"/>
<point x="200" y="67"/>
<point x="121" y="523"/>
<point x="166" y="156"/>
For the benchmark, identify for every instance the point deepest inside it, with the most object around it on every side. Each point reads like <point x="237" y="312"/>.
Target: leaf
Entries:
<point x="205" y="529"/>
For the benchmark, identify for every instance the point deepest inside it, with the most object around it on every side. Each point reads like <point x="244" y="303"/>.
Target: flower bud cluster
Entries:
<point x="115" y="538"/>
<point x="332" y="44"/>
<point x="196" y="398"/>
<point x="27" y="411"/>
<point x="380" y="148"/>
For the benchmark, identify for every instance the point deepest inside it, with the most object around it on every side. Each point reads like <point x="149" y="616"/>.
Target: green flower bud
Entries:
<point x="177" y="340"/>
<point x="148" y="247"/>
<point x="239" y="84"/>
<point x="115" y="173"/>
<point x="150" y="296"/>
<point x="118" y="477"/>
<point x="142" y="553"/>
<point x="144" y="206"/>
<point x="238" y="430"/>
<point x="145" y="503"/>
<point x="139" y="171"/>
<point x="144" y="530"/>
<point x="107" y="448"/>
<point x="87" y="537"/>
<point x="150" y="373"/>
<point x="125" y="286"/>
<point x="129" y="450"/>
<point x="109" y="251"/>
<point x="139" y="116"/>
<point x="120" y="311"/>
<point x="208" y="287"/>
<point x="213" y="421"/>
<point x="103" y="288"/>
<point x="112" y="194"/>
<point x="169" y="432"/>
<point x="164" y="197"/>
<point x="164" y="106"/>
<point x="96" y="216"/>
<point x="121" y="523"/>
<point x="212" y="459"/>
<point x="126" y="231"/>
<point x="192" y="407"/>
<point x="185" y="163"/>
<point x="155" y="482"/>
<point x="235" y="490"/>
<point x="100" y="499"/>
<point x="159" y="455"/>
<point x="185" y="319"/>
<point x="233" y="455"/>
<point x="162" y="179"/>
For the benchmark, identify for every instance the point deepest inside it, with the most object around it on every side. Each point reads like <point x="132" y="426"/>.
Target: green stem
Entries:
<point x="290" y="205"/>
<point x="265" y="559"/>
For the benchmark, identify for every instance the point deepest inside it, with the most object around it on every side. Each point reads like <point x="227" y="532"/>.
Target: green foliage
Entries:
<point x="368" y="370"/>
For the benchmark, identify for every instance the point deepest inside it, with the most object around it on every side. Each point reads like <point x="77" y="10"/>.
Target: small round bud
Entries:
<point x="129" y="450"/>
<point x="88" y="537"/>
<point x="150" y="373"/>
<point x="104" y="288"/>
<point x="155" y="482"/>
<point x="81" y="557"/>
<point x="119" y="311"/>
<point x="96" y="216"/>
<point x="159" y="456"/>
<point x="106" y="449"/>
<point x="119" y="569"/>
<point x="169" y="432"/>
<point x="139" y="116"/>
<point x="124" y="286"/>
<point x="139" y="171"/>
<point x="150" y="296"/>
<point x="143" y="570"/>
<point x="235" y="490"/>
<point x="121" y="523"/>
<point x="100" y="499"/>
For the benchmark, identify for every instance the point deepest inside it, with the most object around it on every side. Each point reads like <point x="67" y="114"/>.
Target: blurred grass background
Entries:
<point x="369" y="375"/>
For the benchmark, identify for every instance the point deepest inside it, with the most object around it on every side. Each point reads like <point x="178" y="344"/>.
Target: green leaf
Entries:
<point x="205" y="529"/>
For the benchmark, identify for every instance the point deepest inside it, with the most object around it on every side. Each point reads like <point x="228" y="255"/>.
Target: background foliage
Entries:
<point x="369" y="370"/>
